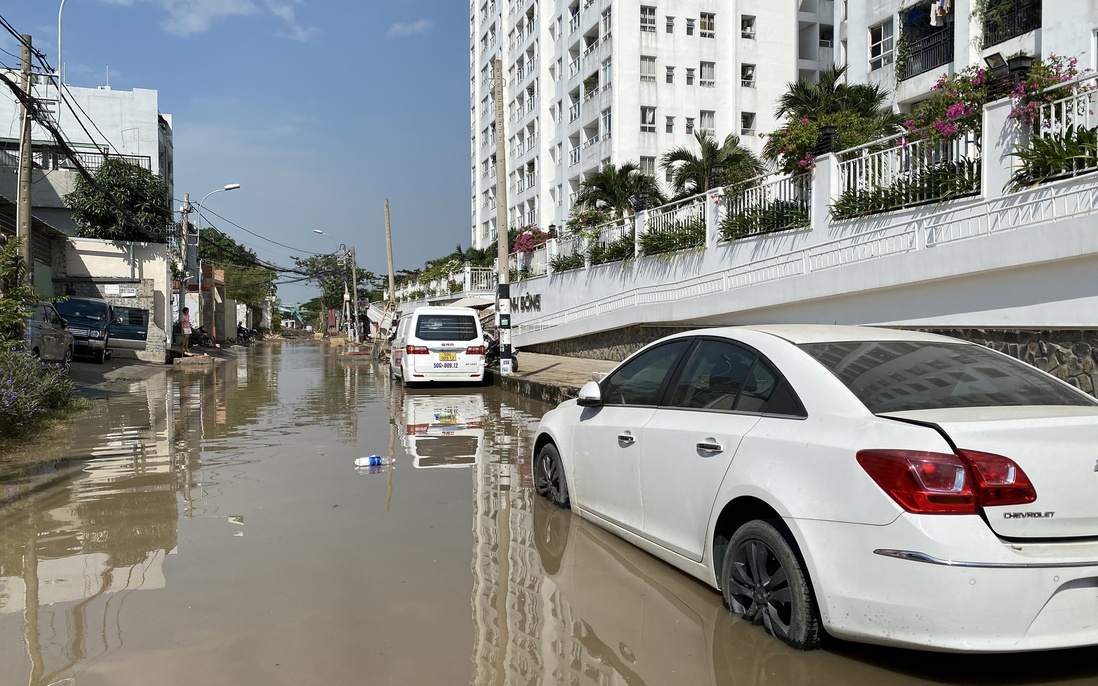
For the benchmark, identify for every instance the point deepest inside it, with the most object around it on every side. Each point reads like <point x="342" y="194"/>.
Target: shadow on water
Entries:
<point x="211" y="526"/>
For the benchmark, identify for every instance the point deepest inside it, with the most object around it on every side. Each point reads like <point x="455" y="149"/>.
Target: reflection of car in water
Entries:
<point x="444" y="430"/>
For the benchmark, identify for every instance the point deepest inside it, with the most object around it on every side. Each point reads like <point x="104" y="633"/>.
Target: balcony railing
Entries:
<point x="929" y="52"/>
<point x="1016" y="18"/>
<point x="51" y="159"/>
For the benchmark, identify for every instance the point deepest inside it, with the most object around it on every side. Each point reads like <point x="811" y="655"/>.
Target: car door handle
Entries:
<point x="628" y="439"/>
<point x="711" y="447"/>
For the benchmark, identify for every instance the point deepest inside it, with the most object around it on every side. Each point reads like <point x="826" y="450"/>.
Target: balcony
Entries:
<point x="928" y="52"/>
<point x="1006" y="20"/>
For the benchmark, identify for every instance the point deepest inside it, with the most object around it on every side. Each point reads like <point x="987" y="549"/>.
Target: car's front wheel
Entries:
<point x="763" y="581"/>
<point x="549" y="481"/>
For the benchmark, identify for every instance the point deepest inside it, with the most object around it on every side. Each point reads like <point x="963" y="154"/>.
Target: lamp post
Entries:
<point x="348" y="252"/>
<point x="197" y="240"/>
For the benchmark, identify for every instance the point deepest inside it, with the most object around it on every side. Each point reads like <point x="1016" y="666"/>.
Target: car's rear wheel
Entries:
<point x="549" y="481"/>
<point x="763" y="581"/>
<point x="66" y="362"/>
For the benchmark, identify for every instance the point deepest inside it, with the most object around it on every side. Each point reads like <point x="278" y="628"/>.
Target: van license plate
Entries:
<point x="447" y="357"/>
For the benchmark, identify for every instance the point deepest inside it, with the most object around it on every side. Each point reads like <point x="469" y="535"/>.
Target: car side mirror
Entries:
<point x="117" y="320"/>
<point x="64" y="322"/>
<point x="590" y="395"/>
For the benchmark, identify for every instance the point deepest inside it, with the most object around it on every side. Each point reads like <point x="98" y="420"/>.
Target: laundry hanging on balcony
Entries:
<point x="939" y="9"/>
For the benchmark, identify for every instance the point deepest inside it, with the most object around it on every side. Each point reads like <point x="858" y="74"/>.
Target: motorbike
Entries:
<point x="244" y="335"/>
<point x="202" y="338"/>
<point x="491" y="355"/>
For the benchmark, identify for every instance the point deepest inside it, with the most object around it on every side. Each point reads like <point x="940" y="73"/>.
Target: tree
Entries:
<point x="332" y="273"/>
<point x="858" y="113"/>
<point x="718" y="165"/>
<point x="619" y="187"/>
<point x="16" y="297"/>
<point x="247" y="280"/>
<point x="125" y="203"/>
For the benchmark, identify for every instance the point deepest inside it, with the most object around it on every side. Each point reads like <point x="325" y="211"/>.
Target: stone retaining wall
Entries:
<point x="1071" y="355"/>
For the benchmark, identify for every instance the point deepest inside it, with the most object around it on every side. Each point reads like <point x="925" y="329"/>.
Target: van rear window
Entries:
<point x="446" y="327"/>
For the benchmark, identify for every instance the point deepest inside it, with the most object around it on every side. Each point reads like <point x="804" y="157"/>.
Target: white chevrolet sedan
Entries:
<point x="875" y="485"/>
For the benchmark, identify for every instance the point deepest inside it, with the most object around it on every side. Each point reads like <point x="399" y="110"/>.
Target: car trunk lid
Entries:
<point x="1056" y="447"/>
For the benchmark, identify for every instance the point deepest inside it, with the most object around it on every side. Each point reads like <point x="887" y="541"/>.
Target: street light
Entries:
<point x="348" y="252"/>
<point x="198" y="259"/>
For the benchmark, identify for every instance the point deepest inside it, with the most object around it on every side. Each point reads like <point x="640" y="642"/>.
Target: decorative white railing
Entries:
<point x="612" y="231"/>
<point x="784" y="195"/>
<point x="676" y="215"/>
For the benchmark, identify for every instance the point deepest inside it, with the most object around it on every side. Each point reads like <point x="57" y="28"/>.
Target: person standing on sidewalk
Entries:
<point x="185" y="323"/>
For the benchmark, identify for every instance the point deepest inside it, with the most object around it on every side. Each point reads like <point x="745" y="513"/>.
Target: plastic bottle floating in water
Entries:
<point x="373" y="461"/>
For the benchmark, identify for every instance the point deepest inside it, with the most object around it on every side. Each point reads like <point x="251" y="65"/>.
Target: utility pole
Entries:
<point x="389" y="247"/>
<point x="184" y="252"/>
<point x="503" y="295"/>
<point x="23" y="210"/>
<point x="354" y="294"/>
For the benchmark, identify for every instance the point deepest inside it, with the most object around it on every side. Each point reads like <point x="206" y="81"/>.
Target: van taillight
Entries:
<point x="416" y="350"/>
<point x="941" y="483"/>
<point x="475" y="350"/>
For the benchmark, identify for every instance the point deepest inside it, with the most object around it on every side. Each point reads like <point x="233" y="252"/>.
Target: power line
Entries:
<point x="282" y="245"/>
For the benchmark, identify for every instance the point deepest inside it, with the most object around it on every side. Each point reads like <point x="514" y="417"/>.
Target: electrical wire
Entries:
<point x="282" y="245"/>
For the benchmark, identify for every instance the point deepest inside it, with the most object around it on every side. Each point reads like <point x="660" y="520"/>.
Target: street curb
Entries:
<point x="551" y="393"/>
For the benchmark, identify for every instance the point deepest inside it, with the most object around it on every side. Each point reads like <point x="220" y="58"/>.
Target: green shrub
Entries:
<point x="680" y="236"/>
<point x="1047" y="157"/>
<point x="929" y="184"/>
<point x="614" y="251"/>
<point x="778" y="215"/>
<point x="29" y="389"/>
<point x="562" y="263"/>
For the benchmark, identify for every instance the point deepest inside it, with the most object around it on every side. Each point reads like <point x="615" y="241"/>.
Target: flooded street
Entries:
<point x="211" y="528"/>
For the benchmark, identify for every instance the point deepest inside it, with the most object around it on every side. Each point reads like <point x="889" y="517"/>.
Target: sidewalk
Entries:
<point x="549" y="378"/>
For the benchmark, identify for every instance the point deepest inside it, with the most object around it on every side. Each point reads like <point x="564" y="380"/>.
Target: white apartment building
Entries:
<point x="594" y="82"/>
<point x="926" y="39"/>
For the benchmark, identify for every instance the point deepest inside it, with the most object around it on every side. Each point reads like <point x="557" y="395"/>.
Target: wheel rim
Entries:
<point x="548" y="483"/>
<point x="760" y="587"/>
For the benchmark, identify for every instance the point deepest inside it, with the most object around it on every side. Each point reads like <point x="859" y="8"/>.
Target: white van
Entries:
<point x="438" y="344"/>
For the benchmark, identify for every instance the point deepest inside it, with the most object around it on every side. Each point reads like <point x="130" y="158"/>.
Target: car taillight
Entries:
<point x="475" y="350"/>
<point x="942" y="483"/>
<point x="416" y="350"/>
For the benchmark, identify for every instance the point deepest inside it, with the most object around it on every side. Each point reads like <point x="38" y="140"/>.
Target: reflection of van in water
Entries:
<point x="444" y="430"/>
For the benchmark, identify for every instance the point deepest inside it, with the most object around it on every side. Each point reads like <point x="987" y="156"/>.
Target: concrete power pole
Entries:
<point x="503" y="295"/>
<point x="184" y="251"/>
<point x="354" y="294"/>
<point x="389" y="247"/>
<point x="23" y="209"/>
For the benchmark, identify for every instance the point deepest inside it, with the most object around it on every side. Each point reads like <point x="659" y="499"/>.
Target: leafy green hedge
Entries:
<point x="1048" y="158"/>
<point x="29" y="389"/>
<point x="680" y="236"/>
<point x="930" y="184"/>
<point x="777" y="215"/>
<point x="614" y="251"/>
<point x="562" y="263"/>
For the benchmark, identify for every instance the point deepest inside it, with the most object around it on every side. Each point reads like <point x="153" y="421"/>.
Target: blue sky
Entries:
<point x="320" y="109"/>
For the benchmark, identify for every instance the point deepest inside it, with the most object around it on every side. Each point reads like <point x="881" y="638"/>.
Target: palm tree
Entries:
<point x="718" y="164"/>
<point x="829" y="95"/>
<point x="619" y="188"/>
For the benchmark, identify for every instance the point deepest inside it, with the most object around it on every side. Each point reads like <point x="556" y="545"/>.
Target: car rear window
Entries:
<point x="893" y="376"/>
<point x="446" y="327"/>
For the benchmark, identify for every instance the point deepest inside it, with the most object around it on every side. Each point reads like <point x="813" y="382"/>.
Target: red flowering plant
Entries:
<point x="529" y="239"/>
<point x="1038" y="86"/>
<point x="793" y="146"/>
<point x="954" y="108"/>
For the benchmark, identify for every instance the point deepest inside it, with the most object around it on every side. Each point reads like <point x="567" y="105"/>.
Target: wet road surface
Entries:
<point x="209" y="527"/>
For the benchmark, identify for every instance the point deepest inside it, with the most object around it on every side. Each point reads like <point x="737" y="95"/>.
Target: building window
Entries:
<point x="670" y="78"/>
<point x="690" y="27"/>
<point x="690" y="125"/>
<point x="607" y="22"/>
<point x="670" y="24"/>
<point x="708" y="122"/>
<point x="689" y="76"/>
<point x="648" y="166"/>
<point x="670" y="126"/>
<point x="648" y="119"/>
<point x="648" y="68"/>
<point x="747" y="75"/>
<point x="648" y="19"/>
<point x="708" y="25"/>
<point x="708" y="77"/>
<point x="669" y="174"/>
<point x="747" y="26"/>
<point x="747" y="124"/>
<point x="606" y="121"/>
<point x="880" y="45"/>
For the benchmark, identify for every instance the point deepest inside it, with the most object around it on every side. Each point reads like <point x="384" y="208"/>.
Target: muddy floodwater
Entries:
<point x="210" y="528"/>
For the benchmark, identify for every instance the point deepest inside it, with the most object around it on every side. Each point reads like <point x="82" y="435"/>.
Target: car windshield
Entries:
<point x="893" y="376"/>
<point x="446" y="327"/>
<point x="88" y="309"/>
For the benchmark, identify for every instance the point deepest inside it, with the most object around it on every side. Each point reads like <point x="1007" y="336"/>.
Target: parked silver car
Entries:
<point x="47" y="336"/>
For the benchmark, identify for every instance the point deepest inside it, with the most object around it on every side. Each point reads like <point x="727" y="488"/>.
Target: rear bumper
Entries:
<point x="949" y="584"/>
